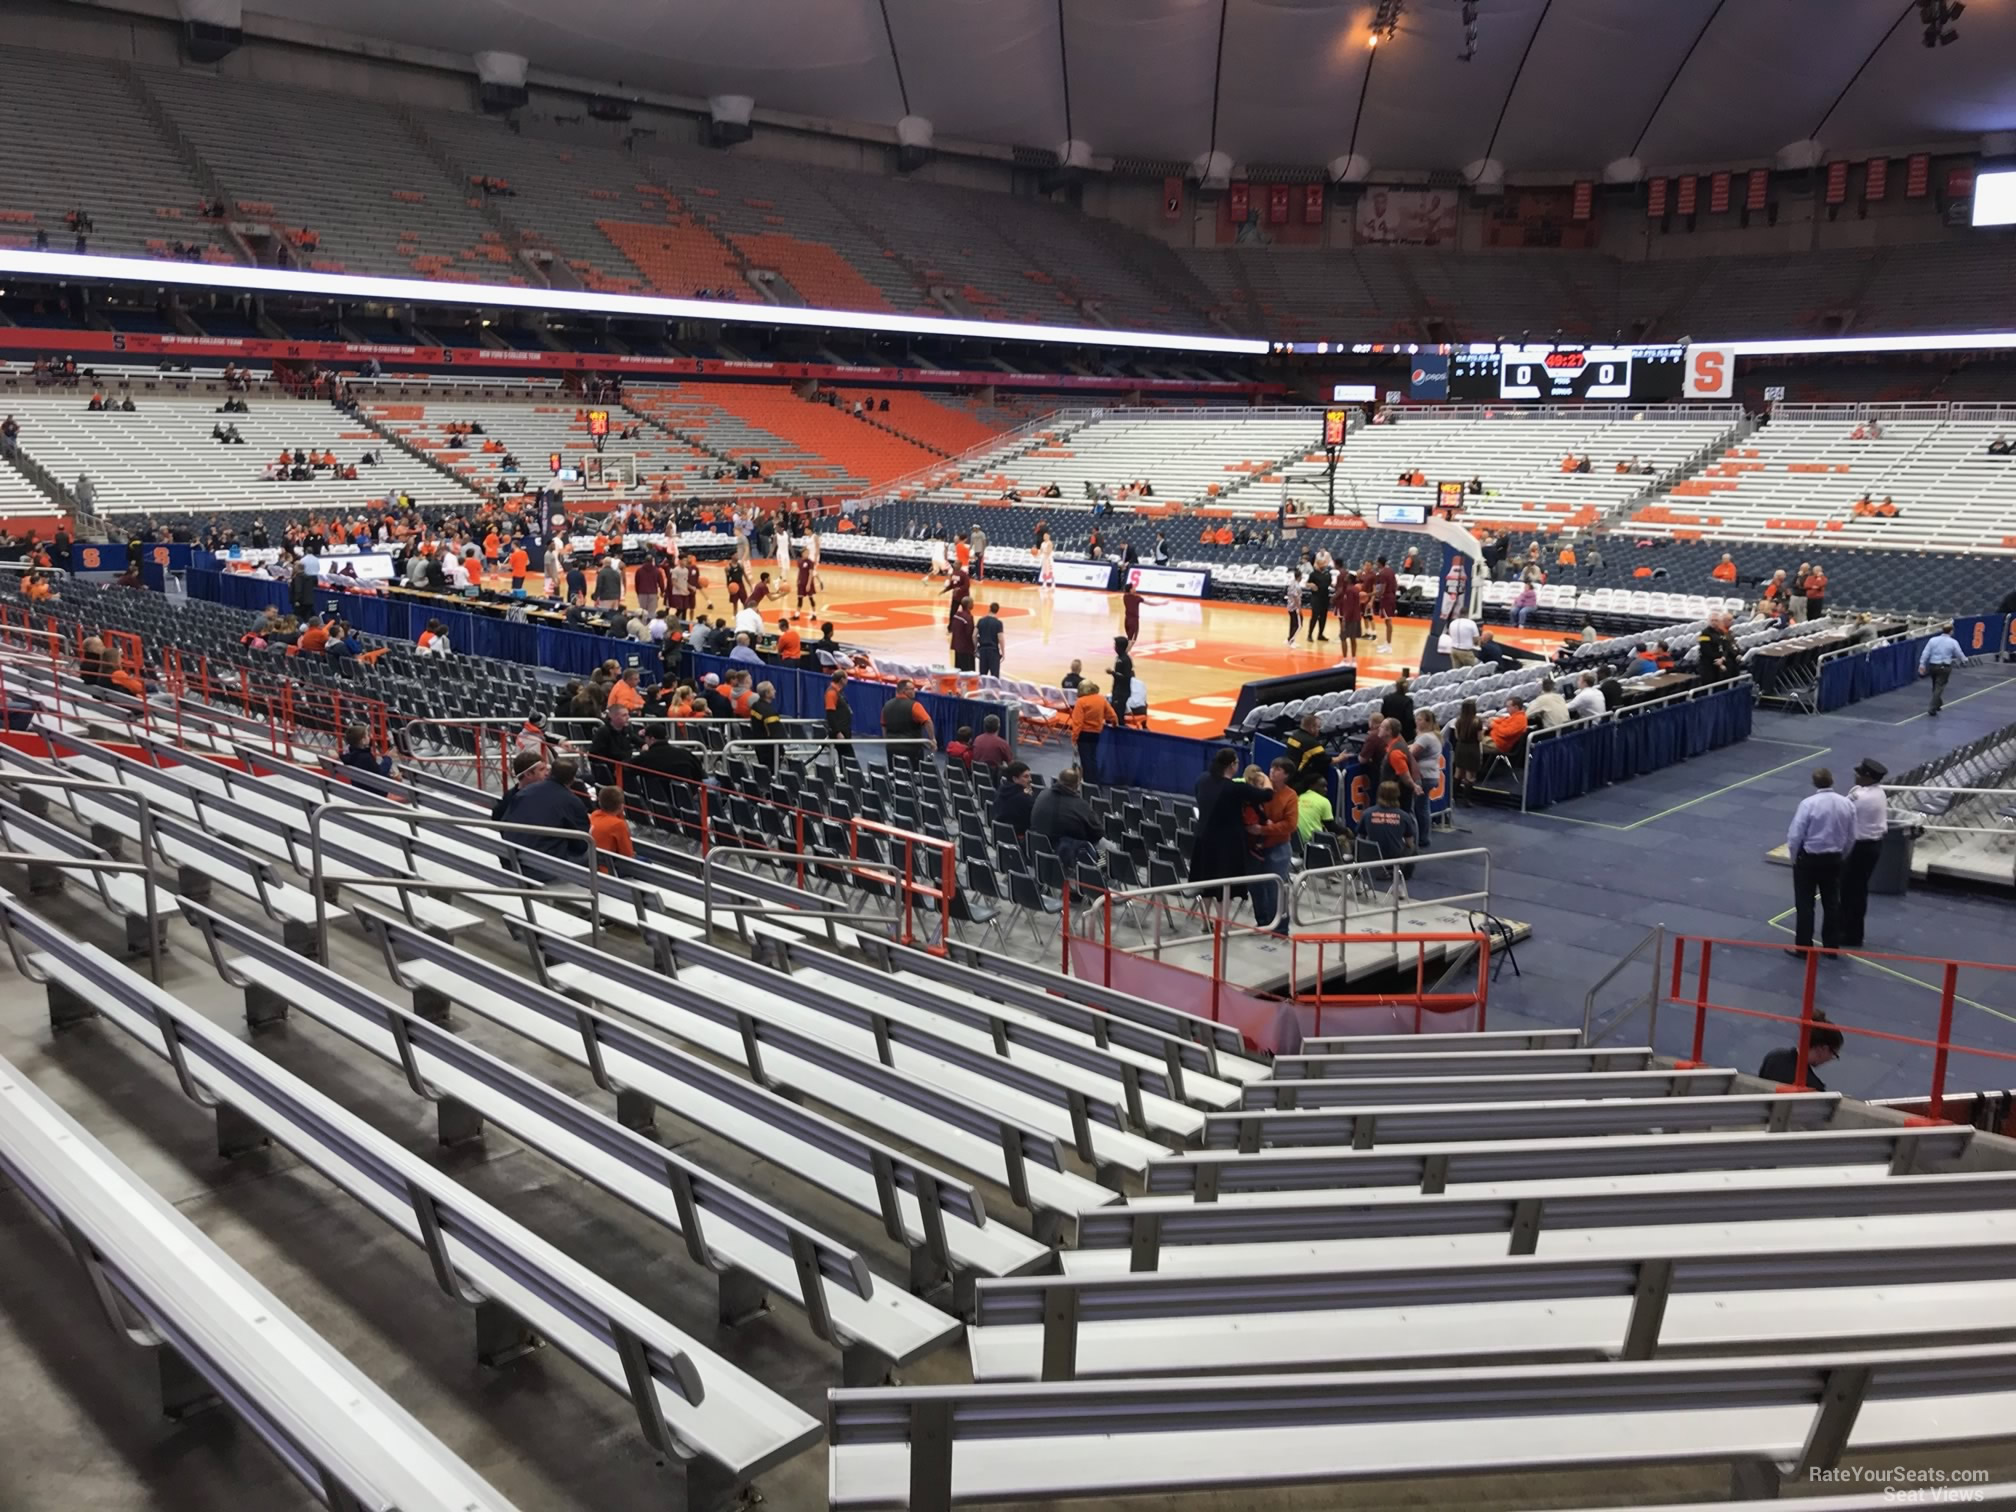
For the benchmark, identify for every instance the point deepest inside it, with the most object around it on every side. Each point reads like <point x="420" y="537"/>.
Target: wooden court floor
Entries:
<point x="1193" y="655"/>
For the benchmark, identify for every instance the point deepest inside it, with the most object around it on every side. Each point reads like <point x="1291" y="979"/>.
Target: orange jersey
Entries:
<point x="611" y="832"/>
<point x="1091" y="715"/>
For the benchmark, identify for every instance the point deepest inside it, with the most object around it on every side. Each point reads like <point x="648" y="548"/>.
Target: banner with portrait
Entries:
<point x="1416" y="217"/>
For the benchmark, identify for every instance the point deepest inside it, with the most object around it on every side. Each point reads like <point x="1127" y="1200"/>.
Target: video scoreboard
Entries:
<point x="1564" y="374"/>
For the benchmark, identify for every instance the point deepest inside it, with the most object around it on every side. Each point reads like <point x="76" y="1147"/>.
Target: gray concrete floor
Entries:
<point x="80" y="1429"/>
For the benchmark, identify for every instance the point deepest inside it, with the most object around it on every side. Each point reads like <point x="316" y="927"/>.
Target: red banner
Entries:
<point x="1238" y="201"/>
<point x="1718" y="193"/>
<point x="1960" y="181"/>
<point x="1172" y="199"/>
<point x="1277" y="204"/>
<point x="1689" y="188"/>
<point x="1837" y="183"/>
<point x="1312" y="204"/>
<point x="471" y="360"/>
<point x="1759" y="190"/>
<point x="1584" y="205"/>
<point x="1917" y="175"/>
<point x="1876" y="178"/>
<point x="1655" y="198"/>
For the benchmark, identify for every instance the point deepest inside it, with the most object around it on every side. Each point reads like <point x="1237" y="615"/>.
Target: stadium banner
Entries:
<point x="1312" y="204"/>
<point x="458" y="360"/>
<point x="1428" y="378"/>
<point x="1172" y="199"/>
<point x="1238" y="200"/>
<point x="1416" y="217"/>
<point x="1984" y="634"/>
<point x="1711" y="372"/>
<point x="1277" y="204"/>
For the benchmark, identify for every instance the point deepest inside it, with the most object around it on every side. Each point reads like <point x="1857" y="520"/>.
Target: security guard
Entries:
<point x="1720" y="657"/>
<point x="1308" y="757"/>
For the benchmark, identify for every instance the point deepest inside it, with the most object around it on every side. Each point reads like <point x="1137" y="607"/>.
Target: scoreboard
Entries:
<point x="1563" y="374"/>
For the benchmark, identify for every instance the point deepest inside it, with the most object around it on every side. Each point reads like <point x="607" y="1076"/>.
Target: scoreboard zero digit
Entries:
<point x="1566" y="374"/>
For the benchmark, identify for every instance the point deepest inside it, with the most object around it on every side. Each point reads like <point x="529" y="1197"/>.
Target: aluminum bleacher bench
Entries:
<point x="693" y="1406"/>
<point x="1212" y="1175"/>
<point x="1181" y="1050"/>
<point x="1806" y="1210"/>
<point x="754" y="1249"/>
<point x="218" y="1335"/>
<point x="1360" y="1126"/>
<point x="1064" y="1101"/>
<point x="1153" y="1100"/>
<point x="1443" y="1044"/>
<point x="1330" y="1092"/>
<point x="1518" y="1307"/>
<point x="929" y="1449"/>
<point x="1463" y="1063"/>
<point x="645" y="1072"/>
<point x="123" y="895"/>
<point x="1006" y="969"/>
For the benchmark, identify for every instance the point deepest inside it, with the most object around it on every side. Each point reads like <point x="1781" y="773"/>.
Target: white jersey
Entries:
<point x="783" y="547"/>
<point x="1046" y="564"/>
<point x="938" y="557"/>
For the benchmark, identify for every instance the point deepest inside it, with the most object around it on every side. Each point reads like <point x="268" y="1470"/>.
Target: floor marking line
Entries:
<point x="1811" y="751"/>
<point x="1902" y="976"/>
<point x="2003" y="683"/>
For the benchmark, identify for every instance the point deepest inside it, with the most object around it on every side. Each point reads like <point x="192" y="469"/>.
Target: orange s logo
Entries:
<point x="1360" y="790"/>
<point x="1980" y="635"/>
<point x="90" y="556"/>
<point x="1708" y="369"/>
<point x="161" y="555"/>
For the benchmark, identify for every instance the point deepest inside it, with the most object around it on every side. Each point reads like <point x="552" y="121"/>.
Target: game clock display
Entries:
<point x="1550" y="374"/>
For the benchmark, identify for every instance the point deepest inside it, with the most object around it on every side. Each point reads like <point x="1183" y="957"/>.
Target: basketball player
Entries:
<point x="808" y="583"/>
<point x="737" y="578"/>
<point x="1046" y="564"/>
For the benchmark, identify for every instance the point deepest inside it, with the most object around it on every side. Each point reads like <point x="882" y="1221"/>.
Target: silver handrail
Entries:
<point x="842" y="741"/>
<point x="744" y="912"/>
<point x="1656" y="938"/>
<point x="322" y="881"/>
<point x="1350" y="869"/>
<point x="143" y="809"/>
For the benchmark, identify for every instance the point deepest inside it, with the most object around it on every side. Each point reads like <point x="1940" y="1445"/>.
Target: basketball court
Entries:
<point x="1194" y="655"/>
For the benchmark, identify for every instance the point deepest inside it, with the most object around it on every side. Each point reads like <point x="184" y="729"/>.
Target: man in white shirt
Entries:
<point x="749" y="622"/>
<point x="1872" y="818"/>
<point x="1588" y="699"/>
<point x="1463" y="641"/>
<point x="1550" y="708"/>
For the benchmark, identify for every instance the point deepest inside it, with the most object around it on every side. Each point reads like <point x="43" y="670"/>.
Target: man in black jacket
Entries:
<point x="1015" y="799"/>
<point x="1823" y="1044"/>
<point x="614" y="745"/>
<point x="1720" y="657"/>
<point x="551" y="803"/>
<point x="1063" y="817"/>
<point x="1399" y="704"/>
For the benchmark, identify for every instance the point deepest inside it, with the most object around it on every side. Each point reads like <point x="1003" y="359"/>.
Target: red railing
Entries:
<point x="1421" y="1000"/>
<point x="1705" y="951"/>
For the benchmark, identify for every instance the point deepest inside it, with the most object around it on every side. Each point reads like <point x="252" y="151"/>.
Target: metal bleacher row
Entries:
<point x="1175" y="1266"/>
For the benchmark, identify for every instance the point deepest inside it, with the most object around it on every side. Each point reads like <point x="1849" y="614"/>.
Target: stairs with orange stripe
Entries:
<point x="918" y="417"/>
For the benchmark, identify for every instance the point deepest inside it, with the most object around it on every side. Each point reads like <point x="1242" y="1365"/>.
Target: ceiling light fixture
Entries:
<point x="1938" y="17"/>
<point x="1469" y="32"/>
<point x="1386" y="21"/>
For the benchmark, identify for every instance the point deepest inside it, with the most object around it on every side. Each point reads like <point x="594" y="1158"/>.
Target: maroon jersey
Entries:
<point x="804" y="578"/>
<point x="1389" y="590"/>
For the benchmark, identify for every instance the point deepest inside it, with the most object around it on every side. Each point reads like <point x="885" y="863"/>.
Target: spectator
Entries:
<point x="1823" y="1045"/>
<point x="1313" y="812"/>
<point x="1509" y="728"/>
<point x="960" y="747"/>
<point x="1999" y="447"/>
<point x="989" y="749"/>
<point x="1090" y="716"/>
<point x="744" y="651"/>
<point x="433" y="640"/>
<point x="904" y="718"/>
<point x="624" y="693"/>
<point x="1550" y="708"/>
<point x="1524" y="604"/>
<point x="1719" y="657"/>
<point x="1398" y="704"/>
<point x="1642" y="664"/>
<point x="1466" y="748"/>
<point x="1390" y="830"/>
<point x="839" y="715"/>
<point x="1218" y="847"/>
<point x="766" y="724"/>
<point x="1015" y="798"/>
<point x="1426" y="754"/>
<point x="614" y="744"/>
<point x="549" y="802"/>
<point x="1872" y="820"/>
<point x="1270" y="832"/>
<point x="1372" y="754"/>
<point x="1309" y="758"/>
<point x="1820" y="837"/>
<point x="1063" y="817"/>
<point x="607" y="827"/>
<point x="1588" y="699"/>
<point x="609" y="584"/>
<point x="1463" y="641"/>
<point x="10" y="437"/>
<point x="988" y="641"/>
<point x="1074" y="677"/>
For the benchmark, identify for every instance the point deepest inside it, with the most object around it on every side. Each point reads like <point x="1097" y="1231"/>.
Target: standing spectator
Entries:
<point x="767" y="725"/>
<point x="1816" y="592"/>
<point x="839" y="716"/>
<point x="1292" y="600"/>
<point x="1090" y="716"/>
<point x="1823" y="1044"/>
<point x="1466" y="747"/>
<point x="903" y="718"/>
<point x="988" y="641"/>
<point x="1310" y="758"/>
<point x="1398" y="704"/>
<point x="1872" y="818"/>
<point x="10" y="437"/>
<point x="1272" y="833"/>
<point x="649" y="583"/>
<point x="1218" y="847"/>
<point x="607" y="827"/>
<point x="1426" y="754"/>
<point x="1941" y="655"/>
<point x="1463" y="641"/>
<point x="1720" y="658"/>
<point x="1799" y="590"/>
<point x="1822" y="832"/>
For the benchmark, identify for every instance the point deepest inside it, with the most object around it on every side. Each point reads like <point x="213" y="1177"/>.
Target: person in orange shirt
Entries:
<point x="962" y="553"/>
<point x="315" y="638"/>
<point x="1724" y="570"/>
<point x="607" y="827"/>
<point x="35" y="588"/>
<point x="1420" y="478"/>
<point x="1568" y="463"/>
<point x="1510" y="727"/>
<point x="624" y="692"/>
<point x="1566" y="558"/>
<point x="491" y="547"/>
<point x="1223" y="537"/>
<point x="789" y="646"/>
<point x="1090" y="716"/>
<point x="518" y="564"/>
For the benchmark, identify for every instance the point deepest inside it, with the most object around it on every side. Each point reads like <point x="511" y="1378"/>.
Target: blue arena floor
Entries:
<point x="1686" y="848"/>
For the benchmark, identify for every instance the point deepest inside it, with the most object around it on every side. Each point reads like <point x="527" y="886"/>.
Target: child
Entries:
<point x="607" y="826"/>
<point x="1389" y="829"/>
<point x="960" y="749"/>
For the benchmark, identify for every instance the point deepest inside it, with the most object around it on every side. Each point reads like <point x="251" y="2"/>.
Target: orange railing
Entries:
<point x="1694" y="959"/>
<point x="1421" y="1000"/>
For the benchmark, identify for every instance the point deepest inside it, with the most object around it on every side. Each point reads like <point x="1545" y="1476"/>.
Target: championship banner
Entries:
<point x="1415" y="217"/>
<point x="1172" y="199"/>
<point x="1312" y="204"/>
<point x="1238" y="201"/>
<point x="1277" y="204"/>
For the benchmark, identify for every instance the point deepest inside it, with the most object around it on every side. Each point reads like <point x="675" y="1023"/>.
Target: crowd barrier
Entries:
<point x="1591" y="754"/>
<point x="1986" y="634"/>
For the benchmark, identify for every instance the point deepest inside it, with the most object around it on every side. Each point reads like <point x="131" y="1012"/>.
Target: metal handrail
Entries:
<point x="836" y="743"/>
<point x="144" y="810"/>
<point x="756" y="909"/>
<point x="1591" y="1034"/>
<point x="1349" y="869"/>
<point x="321" y="881"/>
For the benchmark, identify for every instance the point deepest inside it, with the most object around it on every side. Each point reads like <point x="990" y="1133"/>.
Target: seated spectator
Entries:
<point x="1724" y="571"/>
<point x="1509" y="728"/>
<point x="1063" y="817"/>
<point x="606" y="825"/>
<point x="1588" y="699"/>
<point x="1550" y="708"/>
<point x="745" y="650"/>
<point x="1477" y="485"/>
<point x="1015" y="800"/>
<point x="960" y="747"/>
<point x="1642" y="664"/>
<point x="1999" y="447"/>
<point x="989" y="749"/>
<point x="1388" y="827"/>
<point x="357" y="753"/>
<point x="1823" y="1044"/>
<point x="433" y="640"/>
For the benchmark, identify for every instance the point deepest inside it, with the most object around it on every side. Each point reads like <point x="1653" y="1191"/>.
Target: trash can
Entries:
<point x="1893" y="860"/>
